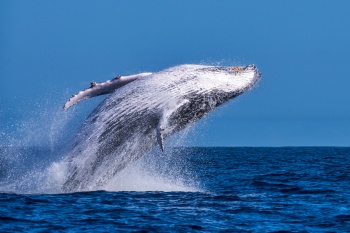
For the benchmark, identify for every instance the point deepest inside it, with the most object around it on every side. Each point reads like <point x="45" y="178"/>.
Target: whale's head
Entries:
<point x="221" y="80"/>
<point x="202" y="88"/>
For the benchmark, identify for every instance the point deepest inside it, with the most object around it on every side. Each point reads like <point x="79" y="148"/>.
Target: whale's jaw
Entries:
<point x="140" y="115"/>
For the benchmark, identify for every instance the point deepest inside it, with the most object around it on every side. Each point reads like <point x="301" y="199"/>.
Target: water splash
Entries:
<point x="155" y="173"/>
<point x="32" y="159"/>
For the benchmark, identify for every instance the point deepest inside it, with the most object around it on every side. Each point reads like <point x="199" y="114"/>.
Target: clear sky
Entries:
<point x="52" y="49"/>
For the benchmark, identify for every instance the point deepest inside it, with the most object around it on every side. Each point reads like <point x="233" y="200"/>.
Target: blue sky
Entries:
<point x="52" y="49"/>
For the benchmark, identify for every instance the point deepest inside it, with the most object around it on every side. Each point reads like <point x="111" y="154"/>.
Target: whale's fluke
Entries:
<point x="97" y="89"/>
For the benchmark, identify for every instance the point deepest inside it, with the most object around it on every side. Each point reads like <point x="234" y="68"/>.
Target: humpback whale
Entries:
<point x="143" y="110"/>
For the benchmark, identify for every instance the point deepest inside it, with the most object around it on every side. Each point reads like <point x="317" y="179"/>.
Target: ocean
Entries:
<point x="285" y="189"/>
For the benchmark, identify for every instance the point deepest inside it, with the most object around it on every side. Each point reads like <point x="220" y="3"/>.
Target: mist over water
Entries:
<point x="31" y="149"/>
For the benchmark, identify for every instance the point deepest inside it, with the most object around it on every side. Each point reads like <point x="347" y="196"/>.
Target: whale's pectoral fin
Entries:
<point x="162" y="127"/>
<point x="95" y="89"/>
<point x="160" y="138"/>
<point x="107" y="87"/>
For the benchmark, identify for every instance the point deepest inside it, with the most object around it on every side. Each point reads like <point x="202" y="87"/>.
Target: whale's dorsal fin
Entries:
<point x="107" y="87"/>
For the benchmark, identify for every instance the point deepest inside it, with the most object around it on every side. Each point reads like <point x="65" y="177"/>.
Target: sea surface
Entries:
<point x="288" y="189"/>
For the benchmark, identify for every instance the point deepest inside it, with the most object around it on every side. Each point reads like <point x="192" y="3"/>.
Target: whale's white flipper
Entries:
<point x="162" y="127"/>
<point x="107" y="87"/>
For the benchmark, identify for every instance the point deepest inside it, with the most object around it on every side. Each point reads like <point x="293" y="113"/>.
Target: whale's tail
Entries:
<point x="97" y="89"/>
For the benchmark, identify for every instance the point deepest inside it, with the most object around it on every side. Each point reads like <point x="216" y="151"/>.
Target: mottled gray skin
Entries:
<point x="124" y="126"/>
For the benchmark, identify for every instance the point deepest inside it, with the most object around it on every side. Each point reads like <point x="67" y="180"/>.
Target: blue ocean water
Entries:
<point x="290" y="189"/>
